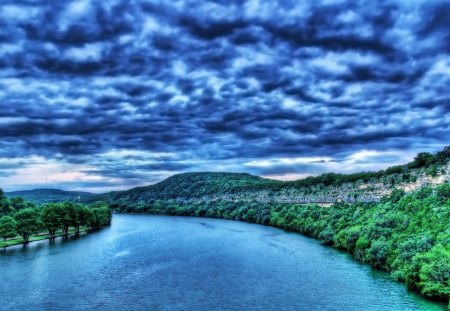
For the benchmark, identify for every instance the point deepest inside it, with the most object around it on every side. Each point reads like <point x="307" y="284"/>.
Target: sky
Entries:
<point x="112" y="94"/>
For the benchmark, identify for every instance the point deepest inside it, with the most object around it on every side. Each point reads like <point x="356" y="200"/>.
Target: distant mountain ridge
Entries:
<point x="52" y="195"/>
<point x="426" y="170"/>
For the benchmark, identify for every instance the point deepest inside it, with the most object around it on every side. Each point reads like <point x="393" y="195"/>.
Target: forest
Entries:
<point x="22" y="221"/>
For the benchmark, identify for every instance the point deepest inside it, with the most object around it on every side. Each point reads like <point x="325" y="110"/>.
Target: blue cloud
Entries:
<point x="220" y="83"/>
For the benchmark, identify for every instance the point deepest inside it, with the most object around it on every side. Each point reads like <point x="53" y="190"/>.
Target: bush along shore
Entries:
<point x="407" y="235"/>
<point x="23" y="222"/>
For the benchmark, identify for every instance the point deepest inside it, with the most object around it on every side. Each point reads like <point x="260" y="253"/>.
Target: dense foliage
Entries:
<point x="192" y="185"/>
<point x="62" y="216"/>
<point x="28" y="223"/>
<point x="8" y="227"/>
<point x="407" y="235"/>
<point x="26" y="219"/>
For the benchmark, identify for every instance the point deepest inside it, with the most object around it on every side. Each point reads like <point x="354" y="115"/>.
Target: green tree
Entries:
<point x="5" y="207"/>
<point x="250" y="215"/>
<point x="326" y="236"/>
<point x="86" y="216"/>
<point x="28" y="223"/>
<point x="422" y="159"/>
<point x="443" y="192"/>
<point x="396" y="195"/>
<point x="8" y="227"/>
<point x="18" y="203"/>
<point x="102" y="214"/>
<point x="74" y="215"/>
<point x="68" y="215"/>
<point x="51" y="217"/>
<point x="347" y="238"/>
<point x="430" y="273"/>
<point x="444" y="155"/>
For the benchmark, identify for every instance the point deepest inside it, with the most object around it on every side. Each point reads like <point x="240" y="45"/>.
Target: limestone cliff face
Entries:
<point x="424" y="180"/>
<point x="359" y="191"/>
<point x="197" y="187"/>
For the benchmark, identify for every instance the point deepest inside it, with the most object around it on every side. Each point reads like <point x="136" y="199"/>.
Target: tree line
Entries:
<point x="26" y="219"/>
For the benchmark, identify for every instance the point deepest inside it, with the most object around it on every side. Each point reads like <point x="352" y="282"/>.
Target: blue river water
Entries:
<point x="145" y="262"/>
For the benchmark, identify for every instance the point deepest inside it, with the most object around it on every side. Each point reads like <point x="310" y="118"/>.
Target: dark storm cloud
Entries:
<point x="220" y="82"/>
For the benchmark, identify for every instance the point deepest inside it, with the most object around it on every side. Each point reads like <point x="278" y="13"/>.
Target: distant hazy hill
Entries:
<point x="426" y="170"/>
<point x="51" y="195"/>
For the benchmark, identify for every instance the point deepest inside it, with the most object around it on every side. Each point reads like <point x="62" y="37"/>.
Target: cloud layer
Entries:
<point x="124" y="93"/>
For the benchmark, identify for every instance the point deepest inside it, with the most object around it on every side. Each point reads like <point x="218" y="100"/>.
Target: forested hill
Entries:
<point x="426" y="170"/>
<point x="52" y="195"/>
<point x="199" y="184"/>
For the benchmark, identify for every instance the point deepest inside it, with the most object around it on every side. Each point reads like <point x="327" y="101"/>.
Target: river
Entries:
<point x="145" y="262"/>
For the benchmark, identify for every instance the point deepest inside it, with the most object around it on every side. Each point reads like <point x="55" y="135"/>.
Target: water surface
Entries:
<point x="178" y="263"/>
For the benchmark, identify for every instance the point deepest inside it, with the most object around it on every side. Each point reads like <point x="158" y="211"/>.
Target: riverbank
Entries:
<point x="405" y="235"/>
<point x="38" y="237"/>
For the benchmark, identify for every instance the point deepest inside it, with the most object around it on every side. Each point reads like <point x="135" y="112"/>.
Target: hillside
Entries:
<point x="396" y="220"/>
<point x="51" y="195"/>
<point x="193" y="185"/>
<point x="425" y="170"/>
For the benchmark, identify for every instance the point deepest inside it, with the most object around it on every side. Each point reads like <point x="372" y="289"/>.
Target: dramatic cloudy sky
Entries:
<point x="111" y="94"/>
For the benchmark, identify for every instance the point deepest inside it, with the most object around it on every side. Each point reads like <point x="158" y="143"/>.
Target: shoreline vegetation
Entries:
<point x="407" y="235"/>
<point x="23" y="221"/>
